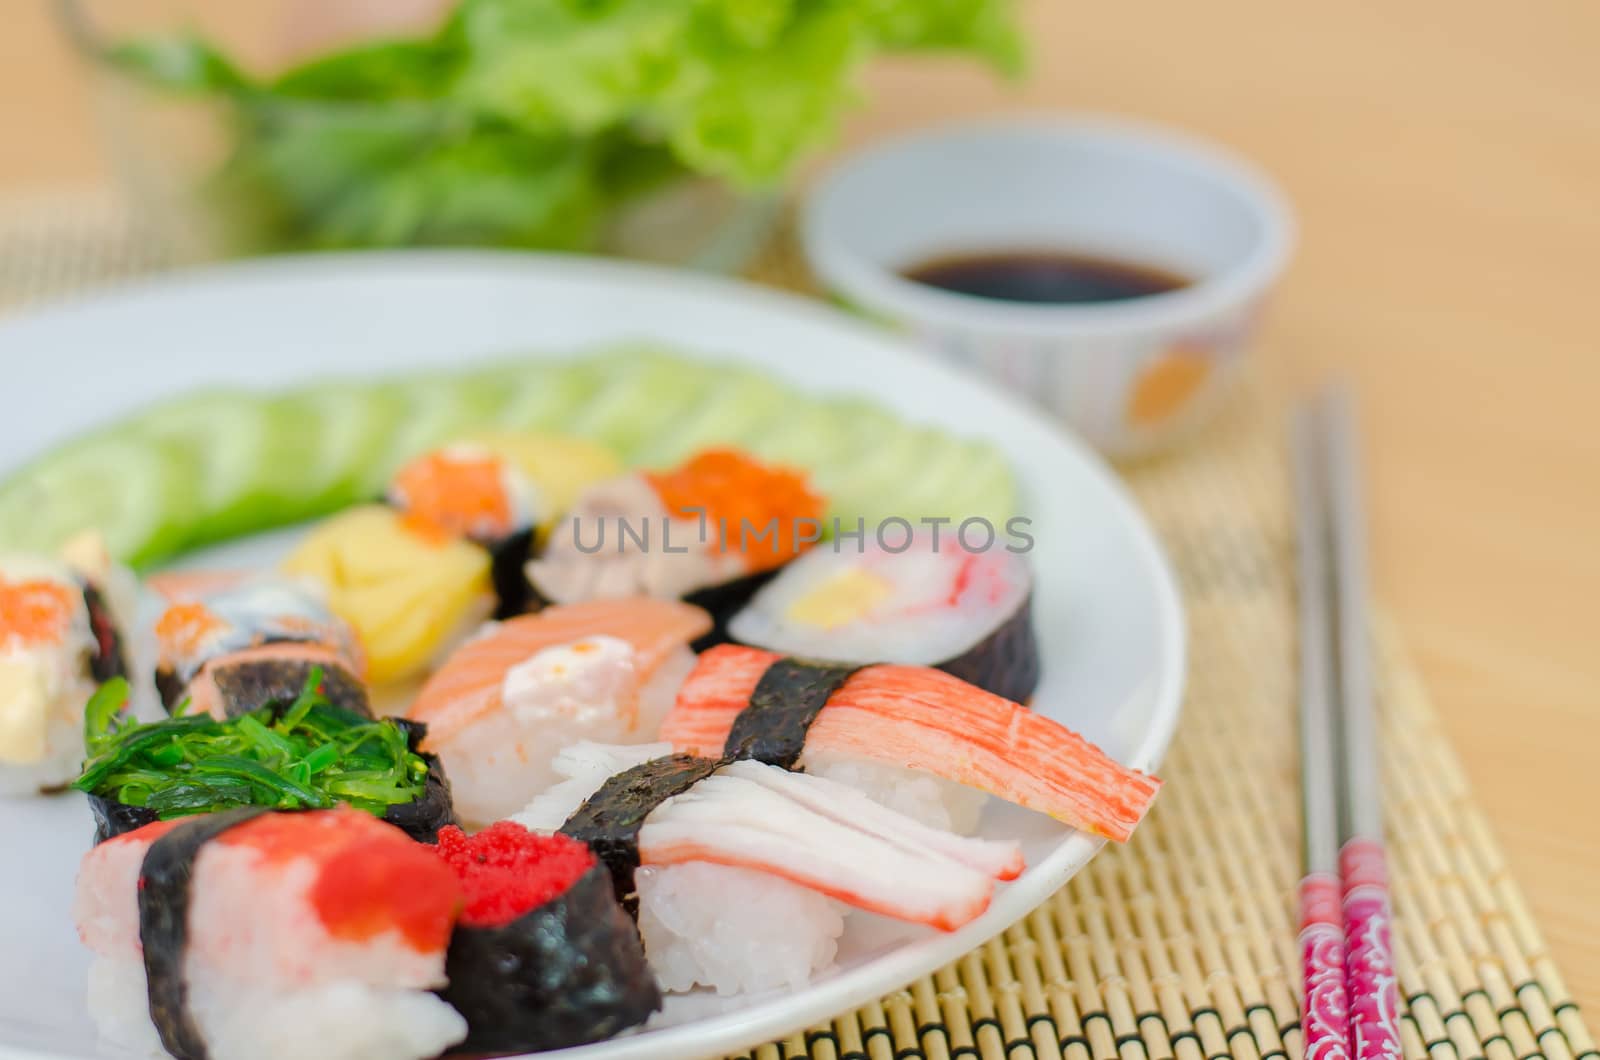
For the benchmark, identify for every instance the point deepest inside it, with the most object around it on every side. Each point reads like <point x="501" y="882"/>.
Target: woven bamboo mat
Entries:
<point x="1181" y="944"/>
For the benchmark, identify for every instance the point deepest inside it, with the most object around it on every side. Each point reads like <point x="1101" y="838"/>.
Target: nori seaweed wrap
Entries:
<point x="610" y="820"/>
<point x="110" y="658"/>
<point x="543" y="956"/>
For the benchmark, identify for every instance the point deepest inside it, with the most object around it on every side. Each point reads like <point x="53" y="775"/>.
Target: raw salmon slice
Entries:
<point x="468" y="686"/>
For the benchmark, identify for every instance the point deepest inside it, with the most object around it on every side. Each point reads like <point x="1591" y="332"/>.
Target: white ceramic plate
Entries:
<point x="1108" y="615"/>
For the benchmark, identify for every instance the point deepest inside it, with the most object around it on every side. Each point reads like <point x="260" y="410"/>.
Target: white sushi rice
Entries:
<point x="120" y="1004"/>
<point x="921" y="796"/>
<point x="340" y="1020"/>
<point x="63" y="751"/>
<point x="337" y="1020"/>
<point x="734" y="930"/>
<point x="552" y="701"/>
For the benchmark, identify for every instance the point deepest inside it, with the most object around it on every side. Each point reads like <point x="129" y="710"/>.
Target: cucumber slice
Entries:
<point x="223" y="463"/>
<point x="543" y="395"/>
<point x="247" y="458"/>
<point x="736" y="410"/>
<point x="138" y="492"/>
<point x="355" y="423"/>
<point x="643" y="397"/>
<point x="437" y="410"/>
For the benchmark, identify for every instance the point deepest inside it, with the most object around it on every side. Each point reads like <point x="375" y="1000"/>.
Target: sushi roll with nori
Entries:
<point x="932" y="603"/>
<point x="301" y="753"/>
<point x="752" y="704"/>
<point x="508" y="700"/>
<point x="734" y="869"/>
<point x="446" y="550"/>
<point x="240" y="642"/>
<point x="62" y="622"/>
<point x="542" y="957"/>
<point x="252" y="935"/>
<point x="709" y="531"/>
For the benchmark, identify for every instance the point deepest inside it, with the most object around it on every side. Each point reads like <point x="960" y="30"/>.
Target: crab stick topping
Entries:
<point x="926" y="719"/>
<point x="826" y="837"/>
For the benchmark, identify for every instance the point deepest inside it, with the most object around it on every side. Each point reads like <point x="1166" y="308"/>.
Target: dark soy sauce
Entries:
<point x="1046" y="277"/>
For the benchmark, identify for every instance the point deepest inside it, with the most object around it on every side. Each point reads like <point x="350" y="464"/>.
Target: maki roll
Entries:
<point x="709" y="531"/>
<point x="931" y="603"/>
<point x="239" y="643"/>
<point x="61" y="635"/>
<point x="734" y="868"/>
<point x="542" y="956"/>
<point x="748" y="703"/>
<point x="447" y="549"/>
<point x="252" y="935"/>
<point x="503" y="705"/>
<point x="302" y="753"/>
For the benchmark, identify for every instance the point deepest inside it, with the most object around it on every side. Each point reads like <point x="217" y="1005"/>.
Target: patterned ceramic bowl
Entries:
<point x="1130" y="376"/>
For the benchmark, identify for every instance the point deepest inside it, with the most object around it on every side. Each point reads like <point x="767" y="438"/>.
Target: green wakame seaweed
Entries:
<point x="307" y="754"/>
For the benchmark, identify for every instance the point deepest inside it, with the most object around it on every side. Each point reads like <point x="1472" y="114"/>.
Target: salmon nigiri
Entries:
<point x="502" y="706"/>
<point x="756" y="704"/>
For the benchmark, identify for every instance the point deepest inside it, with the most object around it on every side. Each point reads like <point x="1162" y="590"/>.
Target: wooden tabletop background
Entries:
<point x="1444" y="160"/>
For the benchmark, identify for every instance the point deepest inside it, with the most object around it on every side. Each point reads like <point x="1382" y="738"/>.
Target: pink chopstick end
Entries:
<point x="1370" y="980"/>
<point x="1324" y="1018"/>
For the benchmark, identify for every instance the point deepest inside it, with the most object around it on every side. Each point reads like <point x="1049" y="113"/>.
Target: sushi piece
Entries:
<point x="244" y="642"/>
<point x="503" y="705"/>
<point x="251" y="935"/>
<point x="933" y="603"/>
<point x="542" y="957"/>
<point x="302" y="753"/>
<point x="709" y="531"/>
<point x="760" y="853"/>
<point x="750" y="703"/>
<point x="61" y="634"/>
<point x="447" y="550"/>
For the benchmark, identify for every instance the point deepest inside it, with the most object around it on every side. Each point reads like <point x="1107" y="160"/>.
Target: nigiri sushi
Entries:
<point x="447" y="550"/>
<point x="252" y="935"/>
<point x="303" y="753"/>
<point x="708" y="531"/>
<point x="759" y="855"/>
<point x="243" y="642"/>
<point x="62" y="623"/>
<point x="750" y="703"/>
<point x="933" y="602"/>
<point x="543" y="956"/>
<point x="502" y="706"/>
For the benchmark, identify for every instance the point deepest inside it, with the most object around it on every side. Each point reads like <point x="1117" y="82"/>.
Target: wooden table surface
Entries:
<point x="1444" y="160"/>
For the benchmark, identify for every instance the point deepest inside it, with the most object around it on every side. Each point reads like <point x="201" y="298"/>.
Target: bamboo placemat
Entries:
<point x="1181" y="944"/>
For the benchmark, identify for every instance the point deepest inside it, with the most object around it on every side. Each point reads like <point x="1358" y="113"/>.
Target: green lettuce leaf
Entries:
<point x="530" y="122"/>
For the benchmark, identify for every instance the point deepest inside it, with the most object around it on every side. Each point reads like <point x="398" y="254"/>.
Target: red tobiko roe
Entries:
<point x="506" y="870"/>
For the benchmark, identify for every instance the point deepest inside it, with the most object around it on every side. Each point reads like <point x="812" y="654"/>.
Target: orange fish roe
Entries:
<point x="184" y="628"/>
<point x="507" y="870"/>
<point x="35" y="612"/>
<point x="452" y="494"/>
<point x="750" y="506"/>
<point x="371" y="877"/>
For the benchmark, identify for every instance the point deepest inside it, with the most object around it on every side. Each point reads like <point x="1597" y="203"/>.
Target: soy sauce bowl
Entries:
<point x="1131" y="376"/>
